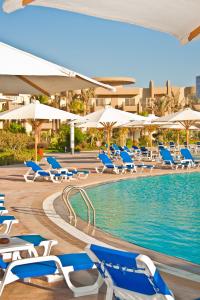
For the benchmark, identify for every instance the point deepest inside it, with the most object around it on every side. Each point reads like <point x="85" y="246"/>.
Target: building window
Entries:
<point x="100" y="102"/>
<point x="130" y="102"/>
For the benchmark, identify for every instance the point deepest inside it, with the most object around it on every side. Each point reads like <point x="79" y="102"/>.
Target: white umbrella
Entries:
<point x="109" y="118"/>
<point x="186" y="117"/>
<point x="146" y="122"/>
<point x="37" y="113"/>
<point x="24" y="73"/>
<point x="177" y="127"/>
<point x="176" y="17"/>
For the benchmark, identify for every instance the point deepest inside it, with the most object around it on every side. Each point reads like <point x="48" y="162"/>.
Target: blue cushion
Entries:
<point x="78" y="261"/>
<point x="2" y="201"/>
<point x="5" y="218"/>
<point x="3" y="264"/>
<point x="54" y="163"/>
<point x="34" y="239"/>
<point x="130" y="280"/>
<point x="2" y="208"/>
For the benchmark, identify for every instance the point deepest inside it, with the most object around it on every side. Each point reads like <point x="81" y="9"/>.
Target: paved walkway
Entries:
<point x="24" y="200"/>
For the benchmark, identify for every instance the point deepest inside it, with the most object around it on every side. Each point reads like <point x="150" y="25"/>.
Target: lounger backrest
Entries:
<point x="31" y="164"/>
<point x="166" y="155"/>
<point x="53" y="162"/>
<point x="135" y="147"/>
<point x="186" y="154"/>
<point x="126" y="148"/>
<point x="126" y="272"/>
<point x="105" y="159"/>
<point x="115" y="147"/>
<point x="126" y="157"/>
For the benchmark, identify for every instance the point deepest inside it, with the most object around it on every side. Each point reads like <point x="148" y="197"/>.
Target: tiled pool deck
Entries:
<point x="25" y="201"/>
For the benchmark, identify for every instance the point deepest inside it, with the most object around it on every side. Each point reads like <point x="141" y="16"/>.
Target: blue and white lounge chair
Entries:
<point x="3" y="211"/>
<point x="8" y="221"/>
<point x="169" y="160"/>
<point x="116" y="149"/>
<point x="130" y="152"/>
<point x="1" y="203"/>
<point x="2" y="196"/>
<point x="108" y="164"/>
<point x="49" y="265"/>
<point x="129" y="163"/>
<point x="172" y="146"/>
<point x="188" y="157"/>
<point x="129" y="275"/>
<point x="38" y="241"/>
<point x="35" y="171"/>
<point x="82" y="174"/>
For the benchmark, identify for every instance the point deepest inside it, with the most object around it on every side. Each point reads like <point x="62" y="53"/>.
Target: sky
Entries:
<point x="97" y="47"/>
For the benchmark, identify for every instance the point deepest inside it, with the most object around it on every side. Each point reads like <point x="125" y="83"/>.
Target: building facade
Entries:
<point x="198" y="86"/>
<point x="136" y="99"/>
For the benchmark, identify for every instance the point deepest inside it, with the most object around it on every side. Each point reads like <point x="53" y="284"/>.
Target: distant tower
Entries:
<point x="168" y="88"/>
<point x="198" y="86"/>
<point x="151" y="88"/>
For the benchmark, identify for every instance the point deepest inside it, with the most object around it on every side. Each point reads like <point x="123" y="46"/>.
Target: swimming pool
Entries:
<point x="161" y="213"/>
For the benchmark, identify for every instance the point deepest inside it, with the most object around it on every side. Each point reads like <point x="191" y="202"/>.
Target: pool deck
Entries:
<point x="25" y="202"/>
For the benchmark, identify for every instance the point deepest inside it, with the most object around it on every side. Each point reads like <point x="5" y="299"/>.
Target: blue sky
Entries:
<point x="97" y="47"/>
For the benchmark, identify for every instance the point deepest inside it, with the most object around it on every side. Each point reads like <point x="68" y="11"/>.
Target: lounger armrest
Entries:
<point x="38" y="259"/>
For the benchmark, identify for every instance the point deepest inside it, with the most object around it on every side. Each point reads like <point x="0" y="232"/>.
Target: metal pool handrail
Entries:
<point x="72" y="214"/>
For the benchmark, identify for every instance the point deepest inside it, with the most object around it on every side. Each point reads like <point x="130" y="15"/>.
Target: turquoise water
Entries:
<point x="161" y="213"/>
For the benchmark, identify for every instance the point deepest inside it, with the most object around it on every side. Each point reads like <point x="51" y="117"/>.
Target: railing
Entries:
<point x="68" y="190"/>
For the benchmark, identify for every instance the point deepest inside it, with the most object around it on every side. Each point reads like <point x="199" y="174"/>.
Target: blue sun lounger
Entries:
<point x="130" y="165"/>
<point x="129" y="275"/>
<point x="130" y="152"/>
<point x="3" y="210"/>
<point x="82" y="174"/>
<point x="169" y="160"/>
<point x="49" y="265"/>
<point x="8" y="221"/>
<point x="108" y="165"/>
<point x="2" y="196"/>
<point x="188" y="157"/>
<point x="35" y="171"/>
<point x="38" y="241"/>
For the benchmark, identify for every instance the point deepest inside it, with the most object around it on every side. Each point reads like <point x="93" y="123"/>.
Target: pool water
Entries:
<point x="161" y="213"/>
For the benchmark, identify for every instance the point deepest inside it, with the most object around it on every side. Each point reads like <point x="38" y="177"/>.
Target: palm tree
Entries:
<point x="167" y="104"/>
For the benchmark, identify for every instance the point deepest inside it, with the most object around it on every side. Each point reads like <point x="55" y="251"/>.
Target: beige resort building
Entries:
<point x="135" y="99"/>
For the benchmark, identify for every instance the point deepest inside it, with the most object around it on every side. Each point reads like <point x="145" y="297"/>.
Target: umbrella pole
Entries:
<point x="187" y="136"/>
<point x="36" y="144"/>
<point x="178" y="139"/>
<point x="108" y="139"/>
<point x="36" y="126"/>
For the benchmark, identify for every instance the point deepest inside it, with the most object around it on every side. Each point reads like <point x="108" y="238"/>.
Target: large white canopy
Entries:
<point x="24" y="73"/>
<point x="185" y="115"/>
<point x="37" y="111"/>
<point x="176" y="17"/>
<point x="146" y="121"/>
<point x="109" y="115"/>
<point x="177" y="127"/>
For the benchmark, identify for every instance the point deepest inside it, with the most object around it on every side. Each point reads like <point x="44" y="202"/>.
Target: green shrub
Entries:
<point x="13" y="157"/>
<point x="16" y="128"/>
<point x="61" y="139"/>
<point x="144" y="140"/>
<point x="13" y="141"/>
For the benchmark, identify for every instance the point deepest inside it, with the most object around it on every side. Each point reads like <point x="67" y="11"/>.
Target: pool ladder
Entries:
<point x="68" y="190"/>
